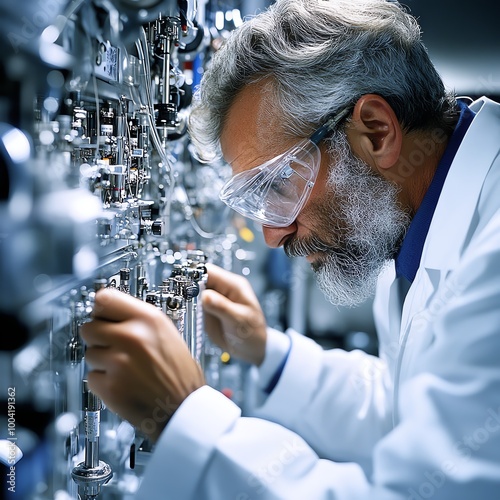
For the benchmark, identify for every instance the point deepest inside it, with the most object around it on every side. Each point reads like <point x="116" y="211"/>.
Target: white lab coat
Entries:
<point x="422" y="421"/>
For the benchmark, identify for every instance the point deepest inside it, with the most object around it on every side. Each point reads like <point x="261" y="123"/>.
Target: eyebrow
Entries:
<point x="255" y="162"/>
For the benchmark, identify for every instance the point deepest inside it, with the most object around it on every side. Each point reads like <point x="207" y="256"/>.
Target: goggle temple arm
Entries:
<point x="329" y="126"/>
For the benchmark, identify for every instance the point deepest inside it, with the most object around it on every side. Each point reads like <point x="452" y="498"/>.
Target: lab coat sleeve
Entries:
<point x="209" y="452"/>
<point x="319" y="391"/>
<point x="277" y="349"/>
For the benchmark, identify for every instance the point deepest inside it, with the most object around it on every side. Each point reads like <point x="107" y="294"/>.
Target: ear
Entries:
<point x="375" y="134"/>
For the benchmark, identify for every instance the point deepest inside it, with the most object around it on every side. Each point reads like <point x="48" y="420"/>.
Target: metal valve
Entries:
<point x="92" y="473"/>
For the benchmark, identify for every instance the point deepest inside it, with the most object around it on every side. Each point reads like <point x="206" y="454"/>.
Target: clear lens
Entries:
<point x="275" y="192"/>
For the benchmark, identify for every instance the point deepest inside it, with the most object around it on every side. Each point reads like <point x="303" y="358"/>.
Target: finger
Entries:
<point x="214" y="330"/>
<point x="229" y="284"/>
<point x="100" y="333"/>
<point x="220" y="306"/>
<point x="99" y="385"/>
<point x="97" y="358"/>
<point x="96" y="380"/>
<point x="112" y="305"/>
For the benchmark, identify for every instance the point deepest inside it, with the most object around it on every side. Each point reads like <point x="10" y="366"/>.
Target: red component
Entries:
<point x="227" y="392"/>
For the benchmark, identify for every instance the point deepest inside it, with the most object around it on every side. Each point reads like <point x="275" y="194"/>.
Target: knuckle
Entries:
<point x="134" y="334"/>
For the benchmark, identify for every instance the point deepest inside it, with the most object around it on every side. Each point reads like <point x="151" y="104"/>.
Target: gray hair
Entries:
<point x="320" y="57"/>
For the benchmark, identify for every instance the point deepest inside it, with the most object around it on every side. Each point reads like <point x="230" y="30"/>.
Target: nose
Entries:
<point x="276" y="236"/>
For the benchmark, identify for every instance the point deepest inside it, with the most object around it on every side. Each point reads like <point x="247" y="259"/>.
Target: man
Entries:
<point x="346" y="147"/>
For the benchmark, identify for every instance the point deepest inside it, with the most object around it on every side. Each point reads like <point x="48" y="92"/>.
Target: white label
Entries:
<point x="106" y="129"/>
<point x="91" y="422"/>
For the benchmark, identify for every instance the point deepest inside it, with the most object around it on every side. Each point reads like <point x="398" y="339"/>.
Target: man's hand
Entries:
<point x="138" y="363"/>
<point x="233" y="317"/>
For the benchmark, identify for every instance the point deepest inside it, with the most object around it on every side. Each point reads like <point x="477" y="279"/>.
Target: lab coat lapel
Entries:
<point x="397" y="294"/>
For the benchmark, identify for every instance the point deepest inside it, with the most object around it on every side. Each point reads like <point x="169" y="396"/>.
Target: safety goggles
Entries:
<point x="275" y="192"/>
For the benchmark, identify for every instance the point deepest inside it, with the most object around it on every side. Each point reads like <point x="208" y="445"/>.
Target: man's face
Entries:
<point x="356" y="226"/>
<point x="352" y="223"/>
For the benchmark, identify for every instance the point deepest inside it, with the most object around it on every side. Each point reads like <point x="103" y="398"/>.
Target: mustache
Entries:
<point x="345" y="255"/>
<point x="301" y="247"/>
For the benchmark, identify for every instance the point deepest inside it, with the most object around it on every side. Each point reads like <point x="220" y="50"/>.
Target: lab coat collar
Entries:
<point x="460" y="194"/>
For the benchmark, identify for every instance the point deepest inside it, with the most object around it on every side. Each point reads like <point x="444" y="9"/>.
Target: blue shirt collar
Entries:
<point x="410" y="253"/>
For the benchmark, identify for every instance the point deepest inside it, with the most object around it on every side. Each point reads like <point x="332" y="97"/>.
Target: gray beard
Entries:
<point x="361" y="227"/>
